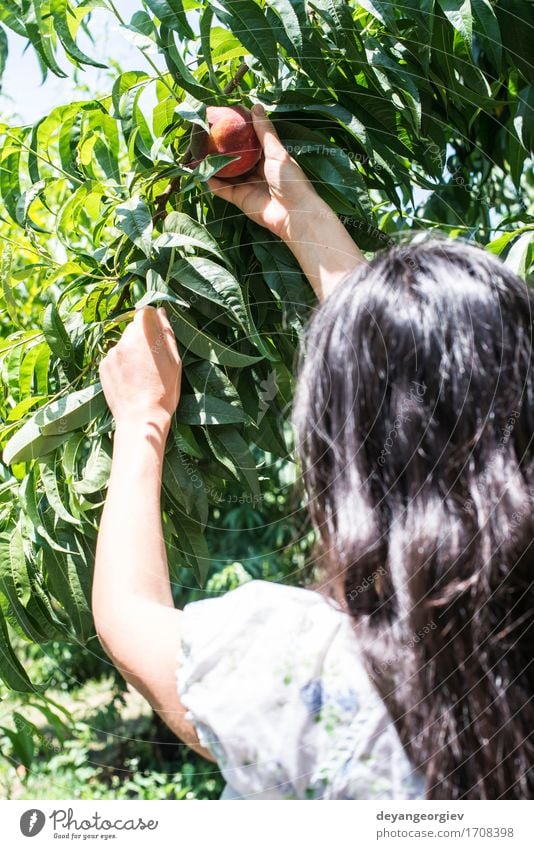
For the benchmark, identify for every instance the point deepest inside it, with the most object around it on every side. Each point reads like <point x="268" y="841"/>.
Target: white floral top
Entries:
<point x="273" y="683"/>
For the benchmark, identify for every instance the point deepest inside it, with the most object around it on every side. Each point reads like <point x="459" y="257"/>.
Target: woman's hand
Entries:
<point x="141" y="374"/>
<point x="279" y="196"/>
<point x="277" y="191"/>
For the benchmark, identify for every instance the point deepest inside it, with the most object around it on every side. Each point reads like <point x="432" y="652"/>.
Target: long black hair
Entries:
<point x="414" y="415"/>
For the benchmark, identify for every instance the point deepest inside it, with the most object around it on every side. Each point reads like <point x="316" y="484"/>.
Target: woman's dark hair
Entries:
<point x="414" y="415"/>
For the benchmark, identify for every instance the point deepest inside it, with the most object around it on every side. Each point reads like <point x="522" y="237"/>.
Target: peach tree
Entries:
<point x="404" y="117"/>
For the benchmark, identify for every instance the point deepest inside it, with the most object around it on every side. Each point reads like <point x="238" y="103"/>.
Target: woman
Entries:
<point x="412" y="673"/>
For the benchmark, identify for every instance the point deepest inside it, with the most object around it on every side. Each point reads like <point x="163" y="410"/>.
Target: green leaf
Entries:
<point x="185" y="440"/>
<point x="5" y="274"/>
<point x="70" y="453"/>
<point x="246" y="20"/>
<point x="24" y="204"/>
<point x="155" y="297"/>
<point x="22" y="739"/>
<point x="19" y="410"/>
<point x="497" y="246"/>
<point x="281" y="271"/>
<point x="97" y="469"/>
<point x="31" y="506"/>
<point x="172" y="14"/>
<point x="338" y="175"/>
<point x="34" y="370"/>
<point x="28" y="443"/>
<point x="16" y="586"/>
<point x="39" y="29"/>
<point x="233" y="452"/>
<point x="133" y="218"/>
<point x="56" y="334"/>
<point x="205" y="346"/>
<point x="62" y="725"/>
<point x="293" y="16"/>
<point x="12" y="672"/>
<point x="524" y="118"/>
<point x="205" y="27"/>
<point x="69" y="579"/>
<point x="383" y="11"/>
<point x="194" y="111"/>
<point x="163" y="116"/>
<point x="268" y="436"/>
<point x="517" y="258"/>
<point x="3" y="53"/>
<point x="207" y="378"/>
<point x="516" y="21"/>
<point x="10" y="157"/>
<point x="458" y="12"/>
<point x="516" y="155"/>
<point x="12" y="18"/>
<point x="46" y="617"/>
<point x="180" y="230"/>
<point x="48" y="471"/>
<point x="207" y="410"/>
<point x="183" y="479"/>
<point x="209" y="280"/>
<point x="13" y="564"/>
<point x="71" y="411"/>
<point x="178" y="68"/>
<point x="488" y="30"/>
<point x="342" y="116"/>
<point x="60" y="10"/>
<point x="131" y="81"/>
<point x="192" y="545"/>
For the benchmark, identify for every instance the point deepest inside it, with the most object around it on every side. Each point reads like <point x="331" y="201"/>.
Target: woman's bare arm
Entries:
<point x="279" y="196"/>
<point x="133" y="608"/>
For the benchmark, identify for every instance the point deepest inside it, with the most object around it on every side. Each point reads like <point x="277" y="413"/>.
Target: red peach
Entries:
<point x="231" y="133"/>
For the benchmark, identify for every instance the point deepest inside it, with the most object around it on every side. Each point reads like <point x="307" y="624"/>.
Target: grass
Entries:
<point x="116" y="748"/>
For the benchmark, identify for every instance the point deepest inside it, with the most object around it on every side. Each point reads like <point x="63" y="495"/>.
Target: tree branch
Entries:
<point x="234" y="82"/>
<point x="163" y="198"/>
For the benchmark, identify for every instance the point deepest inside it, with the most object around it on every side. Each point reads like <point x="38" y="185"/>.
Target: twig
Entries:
<point x="234" y="82"/>
<point x="163" y="198"/>
<point x="123" y="297"/>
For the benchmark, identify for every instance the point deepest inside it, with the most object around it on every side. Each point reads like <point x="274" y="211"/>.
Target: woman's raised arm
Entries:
<point x="133" y="608"/>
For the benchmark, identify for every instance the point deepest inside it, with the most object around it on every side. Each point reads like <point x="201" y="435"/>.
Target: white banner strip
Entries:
<point x="264" y="825"/>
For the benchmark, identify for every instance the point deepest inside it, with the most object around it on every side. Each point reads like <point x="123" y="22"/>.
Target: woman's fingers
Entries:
<point x="260" y="170"/>
<point x="240" y="193"/>
<point x="229" y="190"/>
<point x="153" y="320"/>
<point x="267" y="135"/>
<point x="149" y="322"/>
<point x="164" y="319"/>
<point x="169" y="333"/>
<point x="221" y="188"/>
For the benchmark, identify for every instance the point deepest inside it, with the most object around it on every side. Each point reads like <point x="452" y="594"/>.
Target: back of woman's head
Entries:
<point x="415" y="422"/>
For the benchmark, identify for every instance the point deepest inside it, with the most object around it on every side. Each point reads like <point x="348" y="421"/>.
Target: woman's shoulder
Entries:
<point x="265" y="592"/>
<point x="269" y="619"/>
<point x="255" y="596"/>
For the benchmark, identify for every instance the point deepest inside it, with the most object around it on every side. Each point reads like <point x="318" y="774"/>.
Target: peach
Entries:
<point x="231" y="133"/>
